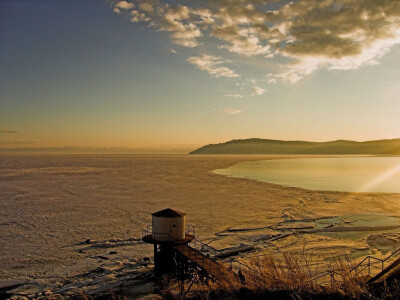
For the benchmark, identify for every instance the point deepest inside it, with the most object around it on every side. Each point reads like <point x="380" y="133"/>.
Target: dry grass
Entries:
<point x="288" y="275"/>
<point x="288" y="271"/>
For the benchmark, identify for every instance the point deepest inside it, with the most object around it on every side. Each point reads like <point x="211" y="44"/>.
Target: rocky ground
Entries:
<point x="129" y="276"/>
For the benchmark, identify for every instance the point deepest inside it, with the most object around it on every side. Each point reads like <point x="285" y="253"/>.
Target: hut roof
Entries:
<point x="168" y="213"/>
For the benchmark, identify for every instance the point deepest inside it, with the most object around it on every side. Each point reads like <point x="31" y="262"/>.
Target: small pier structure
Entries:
<point x="178" y="253"/>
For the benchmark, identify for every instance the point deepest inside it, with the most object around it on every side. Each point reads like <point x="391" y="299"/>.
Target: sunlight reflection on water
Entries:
<point x="349" y="174"/>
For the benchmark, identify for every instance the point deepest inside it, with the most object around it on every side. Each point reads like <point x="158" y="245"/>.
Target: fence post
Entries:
<point x="369" y="265"/>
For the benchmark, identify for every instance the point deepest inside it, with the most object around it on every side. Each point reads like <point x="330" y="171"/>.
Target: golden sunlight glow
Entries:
<point x="380" y="179"/>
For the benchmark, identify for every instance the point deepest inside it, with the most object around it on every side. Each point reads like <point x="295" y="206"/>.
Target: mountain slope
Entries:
<point x="264" y="146"/>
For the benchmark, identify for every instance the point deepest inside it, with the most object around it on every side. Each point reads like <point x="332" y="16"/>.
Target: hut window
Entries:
<point x="173" y="225"/>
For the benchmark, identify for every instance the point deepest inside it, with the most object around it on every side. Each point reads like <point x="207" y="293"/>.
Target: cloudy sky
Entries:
<point x="180" y="74"/>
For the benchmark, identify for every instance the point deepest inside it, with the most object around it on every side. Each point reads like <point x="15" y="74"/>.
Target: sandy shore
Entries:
<point x="50" y="206"/>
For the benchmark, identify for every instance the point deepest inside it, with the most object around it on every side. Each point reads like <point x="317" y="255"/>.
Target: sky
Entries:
<point x="164" y="75"/>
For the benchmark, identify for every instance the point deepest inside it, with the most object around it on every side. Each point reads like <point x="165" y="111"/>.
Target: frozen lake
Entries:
<point x="347" y="174"/>
<point x="63" y="217"/>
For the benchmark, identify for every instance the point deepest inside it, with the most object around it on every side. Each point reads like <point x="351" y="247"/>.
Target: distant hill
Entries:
<point x="91" y="150"/>
<point x="264" y="146"/>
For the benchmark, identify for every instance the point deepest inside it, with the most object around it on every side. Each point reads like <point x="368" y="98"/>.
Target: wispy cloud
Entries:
<point x="294" y="39"/>
<point x="10" y="143"/>
<point x="122" y="5"/>
<point x="8" y="131"/>
<point x="258" y="91"/>
<point x="231" y="111"/>
<point x="234" y="95"/>
<point x="174" y="20"/>
<point x="212" y="65"/>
